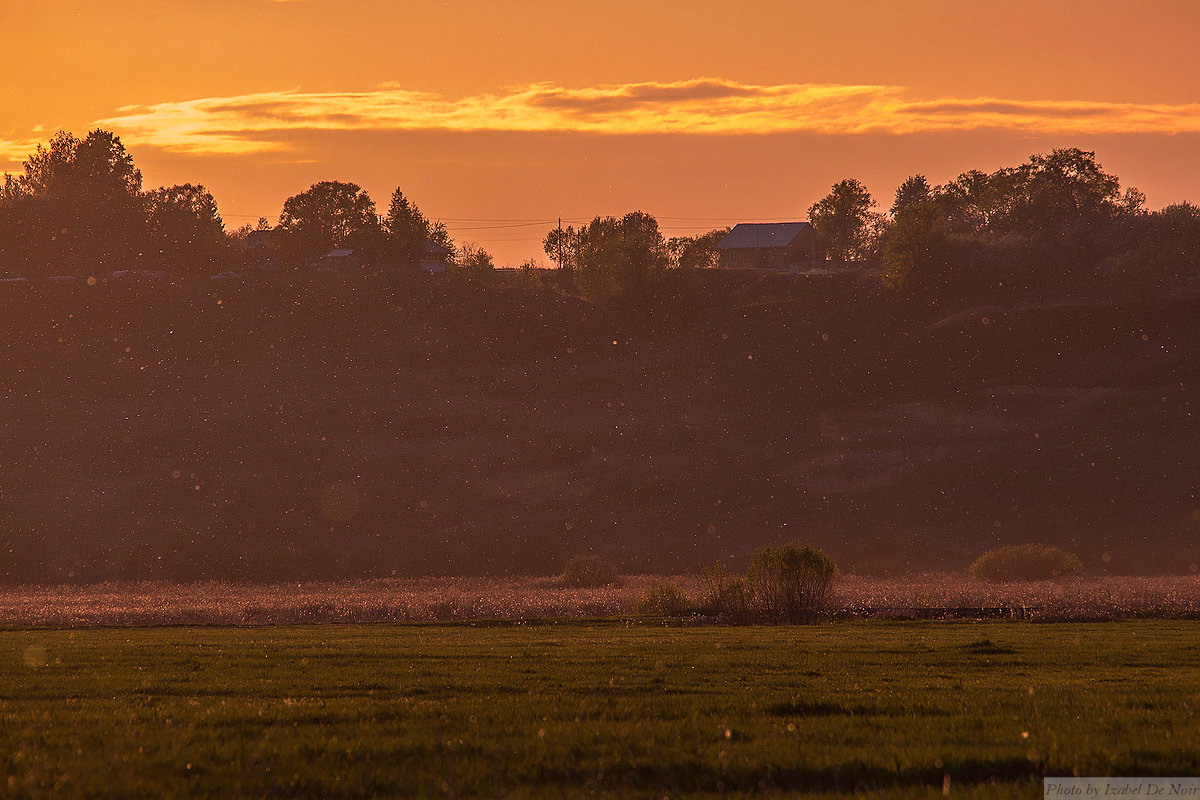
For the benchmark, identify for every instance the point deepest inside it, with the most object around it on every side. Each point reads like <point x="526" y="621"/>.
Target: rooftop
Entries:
<point x="762" y="234"/>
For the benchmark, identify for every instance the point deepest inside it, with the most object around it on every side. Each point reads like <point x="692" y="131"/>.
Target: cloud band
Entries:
<point x="707" y="106"/>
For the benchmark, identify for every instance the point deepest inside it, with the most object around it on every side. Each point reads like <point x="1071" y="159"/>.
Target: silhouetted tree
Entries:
<point x="918" y="252"/>
<point x="619" y="257"/>
<point x="971" y="201"/>
<point x="186" y="231"/>
<point x="1048" y="222"/>
<point x="844" y="222"/>
<point x="915" y="189"/>
<point x="439" y="235"/>
<point x="696" y="252"/>
<point x="77" y="208"/>
<point x="1043" y="196"/>
<point x="562" y="246"/>
<point x="328" y="215"/>
<point x="475" y="262"/>
<point x="1181" y="220"/>
<point x="406" y="228"/>
<point x="1168" y="251"/>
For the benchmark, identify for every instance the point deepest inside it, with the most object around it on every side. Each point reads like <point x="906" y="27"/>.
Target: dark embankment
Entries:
<point x="349" y="427"/>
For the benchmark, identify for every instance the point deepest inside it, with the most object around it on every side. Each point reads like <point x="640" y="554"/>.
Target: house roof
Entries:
<point x="343" y="253"/>
<point x="769" y="234"/>
<point x="432" y="248"/>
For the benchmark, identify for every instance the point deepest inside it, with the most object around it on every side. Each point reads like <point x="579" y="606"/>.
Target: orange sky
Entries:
<point x="498" y="117"/>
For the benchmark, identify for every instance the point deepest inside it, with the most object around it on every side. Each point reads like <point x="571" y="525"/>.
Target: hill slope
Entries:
<point x="342" y="427"/>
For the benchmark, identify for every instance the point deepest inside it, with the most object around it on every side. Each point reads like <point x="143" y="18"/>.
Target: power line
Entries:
<point x="498" y="227"/>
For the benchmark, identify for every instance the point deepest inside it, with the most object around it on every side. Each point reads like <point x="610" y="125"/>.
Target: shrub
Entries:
<point x="476" y="263"/>
<point x="790" y="583"/>
<point x="724" y="594"/>
<point x="663" y="599"/>
<point x="784" y="584"/>
<point x="588" y="572"/>
<point x="1150" y="268"/>
<point x="528" y="275"/>
<point x="1025" y="562"/>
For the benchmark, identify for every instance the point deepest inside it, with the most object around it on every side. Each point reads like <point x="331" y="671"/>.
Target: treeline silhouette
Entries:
<point x="78" y="209"/>
<point x="1057" y="221"/>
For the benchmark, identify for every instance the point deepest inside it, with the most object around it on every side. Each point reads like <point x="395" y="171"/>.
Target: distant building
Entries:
<point x="340" y="260"/>
<point x="774" y="246"/>
<point x="262" y="246"/>
<point x="260" y="239"/>
<point x="435" y="258"/>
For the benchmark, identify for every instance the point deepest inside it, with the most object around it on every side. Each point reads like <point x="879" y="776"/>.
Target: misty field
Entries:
<point x="618" y="709"/>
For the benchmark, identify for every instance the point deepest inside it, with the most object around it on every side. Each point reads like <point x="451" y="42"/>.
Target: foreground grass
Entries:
<point x="574" y="709"/>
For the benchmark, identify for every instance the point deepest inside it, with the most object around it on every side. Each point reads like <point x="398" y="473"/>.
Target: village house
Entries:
<point x="774" y="246"/>
<point x="435" y="258"/>
<point x="340" y="260"/>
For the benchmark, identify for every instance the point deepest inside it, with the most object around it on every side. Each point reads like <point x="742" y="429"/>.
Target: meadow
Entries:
<point x="594" y="708"/>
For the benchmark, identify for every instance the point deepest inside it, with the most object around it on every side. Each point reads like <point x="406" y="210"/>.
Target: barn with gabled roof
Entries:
<point x="774" y="246"/>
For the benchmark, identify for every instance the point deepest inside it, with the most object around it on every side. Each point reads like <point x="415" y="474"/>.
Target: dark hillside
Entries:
<point x="342" y="427"/>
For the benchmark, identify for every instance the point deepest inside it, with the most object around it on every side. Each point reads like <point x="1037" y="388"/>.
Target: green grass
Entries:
<point x="606" y="708"/>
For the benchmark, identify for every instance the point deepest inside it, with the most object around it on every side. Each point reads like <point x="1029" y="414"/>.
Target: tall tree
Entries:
<point x="972" y="200"/>
<point x="328" y="215"/>
<point x="915" y="189"/>
<point x="186" y="230"/>
<point x="406" y="228"/>
<point x="1063" y="187"/>
<point x="619" y="257"/>
<point x="1043" y="196"/>
<point x="76" y="208"/>
<point x="439" y="235"/>
<point x="475" y="262"/>
<point x="918" y="251"/>
<point x="562" y="246"/>
<point x="844" y="221"/>
<point x="696" y="252"/>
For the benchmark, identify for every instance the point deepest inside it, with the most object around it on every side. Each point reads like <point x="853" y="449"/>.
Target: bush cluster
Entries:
<point x="1025" y="562"/>
<point x="783" y="584"/>
<point x="663" y="600"/>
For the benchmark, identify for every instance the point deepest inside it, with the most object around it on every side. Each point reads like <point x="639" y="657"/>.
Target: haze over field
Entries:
<point x="348" y="388"/>
<point x="501" y="119"/>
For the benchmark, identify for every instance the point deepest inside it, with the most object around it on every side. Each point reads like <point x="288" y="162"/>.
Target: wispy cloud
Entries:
<point x="14" y="150"/>
<point x="261" y="122"/>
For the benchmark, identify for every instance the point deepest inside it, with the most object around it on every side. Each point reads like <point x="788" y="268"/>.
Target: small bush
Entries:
<point x="663" y="599"/>
<point x="588" y="572"/>
<point x="790" y="583"/>
<point x="986" y="647"/>
<point x="724" y="594"/>
<point x="529" y="275"/>
<point x="1025" y="562"/>
<point x="784" y="584"/>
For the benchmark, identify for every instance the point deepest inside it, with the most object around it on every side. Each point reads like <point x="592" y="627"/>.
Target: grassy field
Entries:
<point x="895" y="709"/>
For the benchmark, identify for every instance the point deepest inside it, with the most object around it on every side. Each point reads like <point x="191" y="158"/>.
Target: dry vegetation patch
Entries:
<point x="932" y="595"/>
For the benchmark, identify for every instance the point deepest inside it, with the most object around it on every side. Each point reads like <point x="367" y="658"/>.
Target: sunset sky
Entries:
<point x="500" y="118"/>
